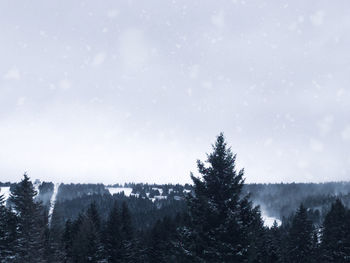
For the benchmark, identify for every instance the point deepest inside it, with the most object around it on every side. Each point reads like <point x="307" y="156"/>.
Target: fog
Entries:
<point x="127" y="91"/>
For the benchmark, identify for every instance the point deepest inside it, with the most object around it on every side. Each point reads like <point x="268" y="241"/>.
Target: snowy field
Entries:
<point x="116" y="190"/>
<point x="268" y="220"/>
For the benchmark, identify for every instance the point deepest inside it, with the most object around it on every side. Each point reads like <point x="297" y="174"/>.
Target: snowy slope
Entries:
<point x="116" y="190"/>
<point x="5" y="191"/>
<point x="36" y="185"/>
<point x="52" y="202"/>
<point x="268" y="220"/>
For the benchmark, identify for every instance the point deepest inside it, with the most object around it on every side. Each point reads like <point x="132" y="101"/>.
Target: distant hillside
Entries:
<point x="276" y="200"/>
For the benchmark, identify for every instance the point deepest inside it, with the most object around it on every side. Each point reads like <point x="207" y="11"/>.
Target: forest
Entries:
<point x="217" y="218"/>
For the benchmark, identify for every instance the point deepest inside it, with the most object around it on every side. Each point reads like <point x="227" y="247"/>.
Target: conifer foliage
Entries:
<point x="30" y="223"/>
<point x="336" y="234"/>
<point x="7" y="231"/>
<point x="113" y="235"/>
<point x="301" y="238"/>
<point x="221" y="220"/>
<point x="87" y="241"/>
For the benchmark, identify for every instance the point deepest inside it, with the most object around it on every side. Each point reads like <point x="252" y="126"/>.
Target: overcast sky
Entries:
<point x="119" y="91"/>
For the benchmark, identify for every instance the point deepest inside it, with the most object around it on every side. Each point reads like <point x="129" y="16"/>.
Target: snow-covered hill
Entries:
<point x="5" y="191"/>
<point x="116" y="190"/>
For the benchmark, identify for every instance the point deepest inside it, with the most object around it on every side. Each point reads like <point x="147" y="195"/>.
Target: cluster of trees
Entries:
<point x="168" y="190"/>
<point x="71" y="191"/>
<point x="280" y="200"/>
<point x="22" y="226"/>
<point x="220" y="224"/>
<point x="144" y="212"/>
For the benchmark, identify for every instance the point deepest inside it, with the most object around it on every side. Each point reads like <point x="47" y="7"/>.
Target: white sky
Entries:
<point x="119" y="91"/>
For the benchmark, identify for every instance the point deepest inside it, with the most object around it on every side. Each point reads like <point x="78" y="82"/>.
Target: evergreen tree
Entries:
<point x="67" y="240"/>
<point x="301" y="238"/>
<point x="3" y="229"/>
<point x="7" y="232"/>
<point x="127" y="235"/>
<point x="126" y="225"/>
<point x="160" y="247"/>
<point x="86" y="245"/>
<point x="256" y="233"/>
<point x="113" y="236"/>
<point x="221" y="220"/>
<point x="139" y="251"/>
<point x="93" y="214"/>
<point x="54" y="237"/>
<point x="284" y="237"/>
<point x="31" y="222"/>
<point x="273" y="242"/>
<point x="336" y="234"/>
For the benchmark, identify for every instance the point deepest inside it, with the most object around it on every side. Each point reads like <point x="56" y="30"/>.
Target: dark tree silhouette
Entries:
<point x="301" y="238"/>
<point x="336" y="234"/>
<point x="31" y="222"/>
<point x="222" y="222"/>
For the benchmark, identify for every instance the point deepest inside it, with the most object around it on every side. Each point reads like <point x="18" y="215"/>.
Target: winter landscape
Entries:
<point x="174" y="131"/>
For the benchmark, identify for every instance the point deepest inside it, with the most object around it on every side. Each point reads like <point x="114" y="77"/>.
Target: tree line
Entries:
<point x="220" y="224"/>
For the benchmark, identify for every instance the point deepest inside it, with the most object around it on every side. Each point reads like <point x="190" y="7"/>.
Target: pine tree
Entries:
<point x="31" y="222"/>
<point x="273" y="242"/>
<point x="301" y="238"/>
<point x="127" y="229"/>
<point x="7" y="232"/>
<point x="284" y="238"/>
<point x="127" y="234"/>
<point x="93" y="214"/>
<point x="86" y="245"/>
<point x="113" y="236"/>
<point x="67" y="240"/>
<point x="139" y="252"/>
<point x="336" y="234"/>
<point x="256" y="232"/>
<point x="3" y="228"/>
<point x="160" y="245"/>
<point x="221" y="220"/>
<point x="54" y="238"/>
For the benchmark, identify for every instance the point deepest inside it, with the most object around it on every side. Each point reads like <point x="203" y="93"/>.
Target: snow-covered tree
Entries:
<point x="223" y="223"/>
<point x="30" y="222"/>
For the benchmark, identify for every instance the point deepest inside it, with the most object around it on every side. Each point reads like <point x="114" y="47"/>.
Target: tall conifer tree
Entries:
<point x="336" y="234"/>
<point x="221" y="219"/>
<point x="113" y="236"/>
<point x="86" y="246"/>
<point x="31" y="222"/>
<point x="301" y="238"/>
<point x="8" y="225"/>
<point x="127" y="233"/>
